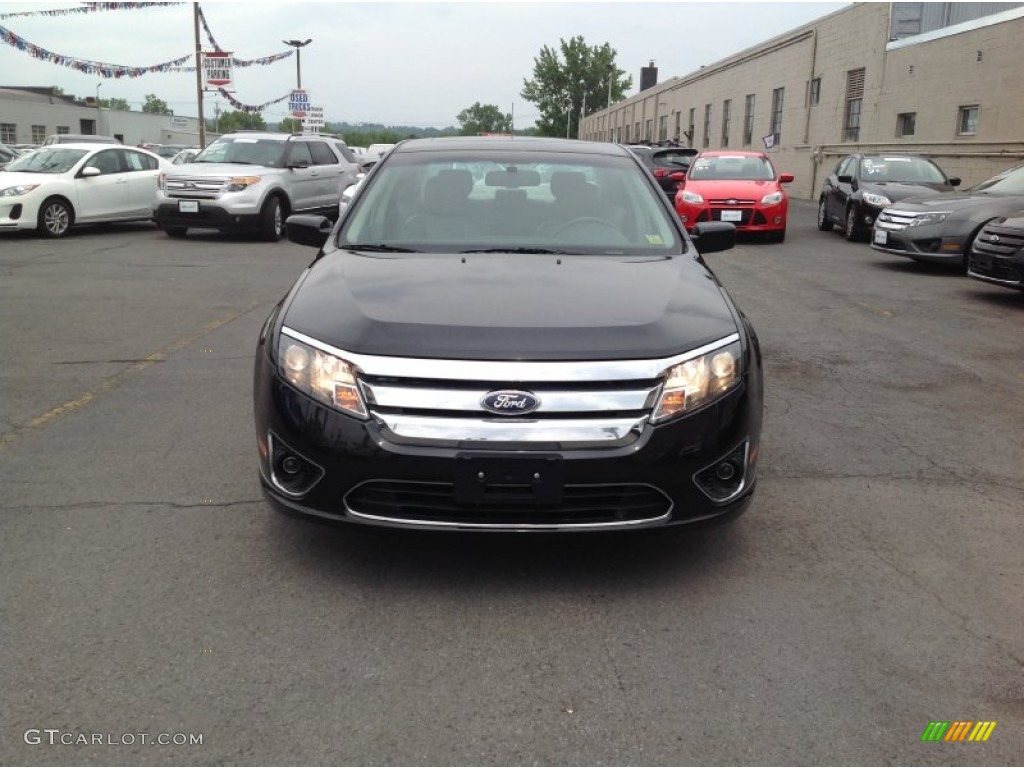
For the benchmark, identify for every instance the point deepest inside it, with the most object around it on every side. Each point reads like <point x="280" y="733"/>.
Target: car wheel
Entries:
<point x="852" y="230"/>
<point x="824" y="222"/>
<point x="177" y="232"/>
<point x="55" y="218"/>
<point x="271" y="220"/>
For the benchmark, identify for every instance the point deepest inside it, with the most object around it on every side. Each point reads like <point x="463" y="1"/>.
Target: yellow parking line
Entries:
<point x="111" y="382"/>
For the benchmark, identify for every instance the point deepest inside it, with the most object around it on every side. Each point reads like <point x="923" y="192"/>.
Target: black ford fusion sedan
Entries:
<point x="942" y="228"/>
<point x="508" y="334"/>
<point x="860" y="186"/>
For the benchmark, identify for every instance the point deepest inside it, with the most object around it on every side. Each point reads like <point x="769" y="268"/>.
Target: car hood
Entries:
<point x="14" y="178"/>
<point x="510" y="307"/>
<point x="741" y="189"/>
<point x="959" y="201"/>
<point x="218" y="169"/>
<point x="896" y="190"/>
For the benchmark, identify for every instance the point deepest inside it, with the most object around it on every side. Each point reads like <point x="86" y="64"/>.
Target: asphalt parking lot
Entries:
<point x="874" y="586"/>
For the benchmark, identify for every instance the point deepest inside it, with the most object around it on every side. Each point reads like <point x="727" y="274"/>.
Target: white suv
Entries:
<point x="252" y="181"/>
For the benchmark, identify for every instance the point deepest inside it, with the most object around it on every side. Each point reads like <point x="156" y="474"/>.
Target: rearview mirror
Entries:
<point x="713" y="236"/>
<point x="304" y="229"/>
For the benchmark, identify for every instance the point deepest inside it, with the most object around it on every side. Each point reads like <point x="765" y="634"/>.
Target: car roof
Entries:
<point x="504" y="144"/>
<point x="731" y="153"/>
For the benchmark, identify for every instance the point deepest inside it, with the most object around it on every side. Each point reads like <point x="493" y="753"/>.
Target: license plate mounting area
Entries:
<point x="500" y="480"/>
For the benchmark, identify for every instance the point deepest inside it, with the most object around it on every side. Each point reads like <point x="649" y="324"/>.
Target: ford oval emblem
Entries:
<point x="510" y="402"/>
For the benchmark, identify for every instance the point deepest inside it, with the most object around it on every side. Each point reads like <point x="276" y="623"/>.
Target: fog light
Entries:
<point x="291" y="466"/>
<point x="869" y="220"/>
<point x="725" y="471"/>
<point x="684" y="218"/>
<point x="727" y="477"/>
<point x="291" y="473"/>
<point x="778" y="219"/>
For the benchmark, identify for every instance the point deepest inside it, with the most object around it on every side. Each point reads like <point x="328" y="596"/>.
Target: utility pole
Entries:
<point x="199" y="77"/>
<point x="583" y="109"/>
<point x="98" y="113"/>
<point x="298" y="45"/>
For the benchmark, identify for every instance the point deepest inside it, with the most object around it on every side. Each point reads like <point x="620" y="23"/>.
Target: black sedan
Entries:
<point x="668" y="164"/>
<point x="860" y="186"/>
<point x="941" y="228"/>
<point x="997" y="254"/>
<point x="508" y="335"/>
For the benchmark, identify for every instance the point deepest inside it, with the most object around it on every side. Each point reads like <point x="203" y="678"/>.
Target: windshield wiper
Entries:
<point x="378" y="248"/>
<point x="552" y="251"/>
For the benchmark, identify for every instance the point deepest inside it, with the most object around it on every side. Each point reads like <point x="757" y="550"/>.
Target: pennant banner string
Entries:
<point x="89" y="8"/>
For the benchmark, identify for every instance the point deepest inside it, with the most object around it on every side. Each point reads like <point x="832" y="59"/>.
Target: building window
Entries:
<point x="63" y="129"/>
<point x="38" y="134"/>
<point x="679" y="118"/>
<point x="8" y="132"/>
<point x="905" y="123"/>
<point x="663" y="128"/>
<point x="854" y="103"/>
<point x="647" y="129"/>
<point x="707" y="125"/>
<point x="748" y="120"/>
<point x="692" y="128"/>
<point x="726" y="117"/>
<point x="814" y="94"/>
<point x="967" y="124"/>
<point x="777" y="99"/>
<point x="627" y="134"/>
<point x="636" y="131"/>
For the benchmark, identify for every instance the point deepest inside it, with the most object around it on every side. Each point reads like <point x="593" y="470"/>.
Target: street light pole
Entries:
<point x="298" y="45"/>
<point x="98" y="113"/>
<point x="583" y="109"/>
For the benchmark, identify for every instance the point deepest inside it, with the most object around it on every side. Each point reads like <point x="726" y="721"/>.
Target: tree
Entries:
<point x="290" y="125"/>
<point x="561" y="85"/>
<point x="239" y="121"/>
<point x="155" y="106"/>
<point x="483" y="118"/>
<point x="117" y="105"/>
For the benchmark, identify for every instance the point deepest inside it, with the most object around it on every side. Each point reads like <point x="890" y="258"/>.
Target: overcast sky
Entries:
<point x="393" y="63"/>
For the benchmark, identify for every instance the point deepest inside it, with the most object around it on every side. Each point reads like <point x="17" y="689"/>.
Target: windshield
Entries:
<point x="1009" y="182"/>
<point x="47" y="160"/>
<point x="906" y="170"/>
<point x="245" y="151"/>
<point x="720" y="167"/>
<point x="508" y="201"/>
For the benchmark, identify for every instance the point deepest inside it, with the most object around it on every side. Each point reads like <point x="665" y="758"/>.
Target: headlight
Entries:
<point x="320" y="375"/>
<point x="238" y="183"/>
<point x="698" y="382"/>
<point x="773" y="199"/>
<point x="692" y="197"/>
<point x="934" y="217"/>
<point x="21" y="189"/>
<point x="876" y="200"/>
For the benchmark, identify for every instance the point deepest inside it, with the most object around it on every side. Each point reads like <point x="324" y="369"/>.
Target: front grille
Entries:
<point x="548" y="405"/>
<point x="894" y="220"/>
<point x="995" y="268"/>
<point x="730" y="201"/>
<point x="997" y="240"/>
<point x="429" y="503"/>
<point x="194" y="188"/>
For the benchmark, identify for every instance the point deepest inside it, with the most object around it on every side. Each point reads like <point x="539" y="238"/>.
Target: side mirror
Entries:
<point x="785" y="178"/>
<point x="954" y="181"/>
<point x="713" y="236"/>
<point x="845" y="179"/>
<point x="677" y="176"/>
<point x="305" y="229"/>
<point x="90" y="171"/>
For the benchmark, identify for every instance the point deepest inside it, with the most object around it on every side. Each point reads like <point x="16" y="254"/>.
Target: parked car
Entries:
<point x="55" y="188"/>
<point x="668" y="164"/>
<point x="170" y="151"/>
<point x="860" y="186"/>
<point x="997" y="253"/>
<point x="185" y="156"/>
<point x="250" y="181"/>
<point x="941" y="228"/>
<point x="477" y="349"/>
<point x="742" y="188"/>
<point x="7" y="154"/>
<point x="78" y="138"/>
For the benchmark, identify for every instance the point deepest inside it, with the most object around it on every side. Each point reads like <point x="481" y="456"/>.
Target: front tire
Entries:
<point x="55" y="218"/>
<point x="824" y="222"/>
<point x="852" y="230"/>
<point x="176" y="232"/>
<point x="271" y="220"/>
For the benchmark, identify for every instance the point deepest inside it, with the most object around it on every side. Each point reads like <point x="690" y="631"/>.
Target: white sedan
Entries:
<point x="57" y="187"/>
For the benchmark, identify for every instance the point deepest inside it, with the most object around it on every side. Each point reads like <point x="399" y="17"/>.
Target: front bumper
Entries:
<point x="356" y="471"/>
<point x="925" y="243"/>
<point x="751" y="218"/>
<point x="210" y="214"/>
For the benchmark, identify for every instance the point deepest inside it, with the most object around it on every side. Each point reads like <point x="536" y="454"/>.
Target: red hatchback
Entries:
<point x="739" y="187"/>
